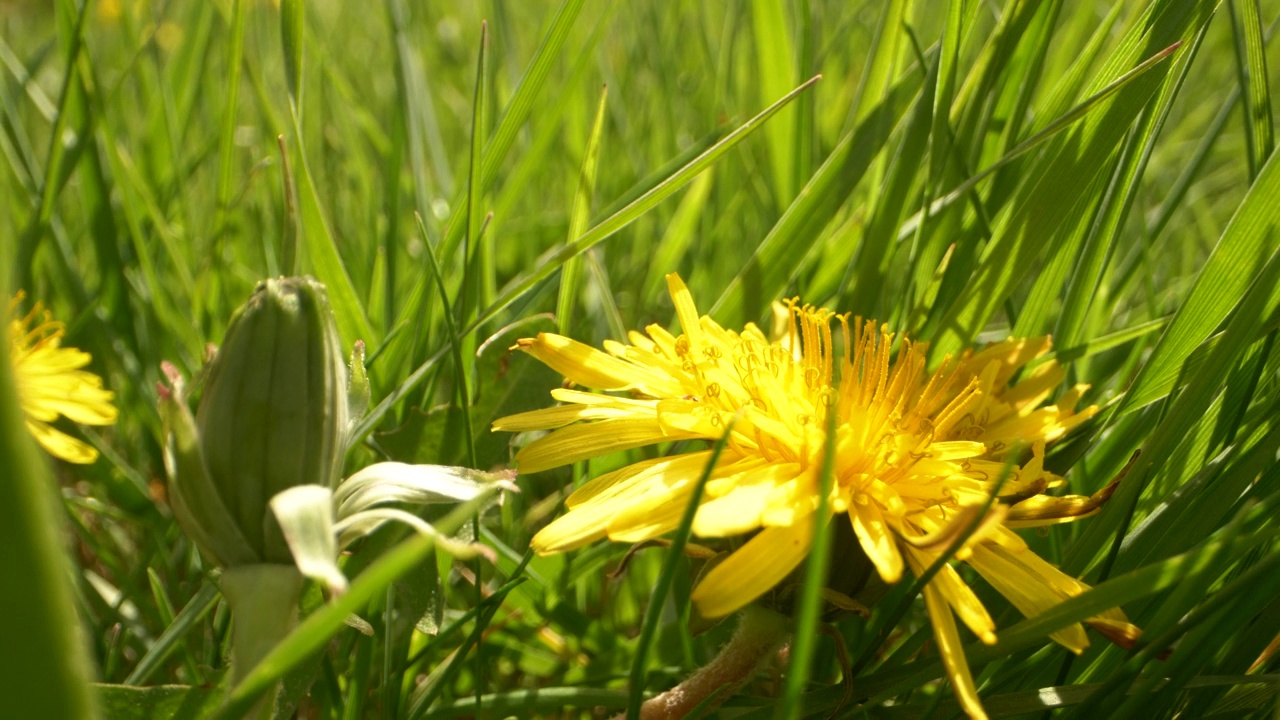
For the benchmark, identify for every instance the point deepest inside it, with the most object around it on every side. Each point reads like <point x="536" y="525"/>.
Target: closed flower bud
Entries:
<point x="254" y="472"/>
<point x="272" y="415"/>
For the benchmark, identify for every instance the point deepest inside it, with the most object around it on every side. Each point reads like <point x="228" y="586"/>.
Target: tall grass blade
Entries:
<point x="808" y="611"/>
<point x="321" y="250"/>
<point x="670" y="566"/>
<point x="639" y="206"/>
<point x="477" y="278"/>
<point x="292" y="30"/>
<point x="56" y="167"/>
<point x="44" y="669"/>
<point x="579" y="216"/>
<point x="1235" y="261"/>
<point x="1246" y="21"/>
<point x="779" y="255"/>
<point x="775" y="67"/>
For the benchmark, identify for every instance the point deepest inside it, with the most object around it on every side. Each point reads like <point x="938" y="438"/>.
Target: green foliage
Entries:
<point x="453" y="173"/>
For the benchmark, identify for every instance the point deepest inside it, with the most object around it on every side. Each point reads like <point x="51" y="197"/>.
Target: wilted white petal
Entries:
<point x="305" y="514"/>
<point x="393" y="482"/>
<point x="362" y="523"/>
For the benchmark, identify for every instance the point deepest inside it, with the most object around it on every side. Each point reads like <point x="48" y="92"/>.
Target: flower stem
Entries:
<point x="760" y="633"/>
<point x="264" y="609"/>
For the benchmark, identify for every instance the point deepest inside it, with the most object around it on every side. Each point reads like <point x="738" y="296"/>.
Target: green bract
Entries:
<point x="273" y="415"/>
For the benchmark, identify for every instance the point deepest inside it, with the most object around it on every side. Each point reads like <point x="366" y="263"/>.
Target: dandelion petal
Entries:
<point x="753" y="570"/>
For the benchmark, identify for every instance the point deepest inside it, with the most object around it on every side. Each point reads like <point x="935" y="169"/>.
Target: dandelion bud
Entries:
<point x="273" y="414"/>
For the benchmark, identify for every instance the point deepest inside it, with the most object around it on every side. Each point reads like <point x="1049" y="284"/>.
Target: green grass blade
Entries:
<point x="670" y="566"/>
<point x="455" y="343"/>
<point x="378" y="412"/>
<point x="174" y="702"/>
<point x="1101" y="239"/>
<point x="522" y="103"/>
<point x="1176" y="198"/>
<point x="291" y="233"/>
<point x="679" y="234"/>
<point x="1200" y="505"/>
<point x="866" y="289"/>
<point x="806" y="136"/>
<point x="1257" y="306"/>
<point x="604" y="289"/>
<point x="579" y="215"/>
<point x="876" y="82"/>
<point x="426" y="694"/>
<point x="1229" y="599"/>
<point x="44" y="669"/>
<point x="55" y="170"/>
<point x="195" y="610"/>
<point x="292" y="30"/>
<point x="34" y="92"/>
<point x="539" y="701"/>
<point x="1059" y="123"/>
<point x="1235" y="261"/>
<point x="1251" y="58"/>
<point x="509" y="125"/>
<point x="1107" y="342"/>
<point x="926" y="253"/>
<point x="477" y="279"/>
<point x="775" y="68"/>
<point x="1150" y="580"/>
<point x="661" y="173"/>
<point x="945" y="87"/>
<point x="1038" y="218"/>
<point x="317" y="238"/>
<point x="226" y="157"/>
<point x="779" y="255"/>
<point x="816" y="568"/>
<point x="639" y="206"/>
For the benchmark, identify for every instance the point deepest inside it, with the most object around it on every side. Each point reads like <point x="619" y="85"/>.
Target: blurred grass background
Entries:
<point x="963" y="170"/>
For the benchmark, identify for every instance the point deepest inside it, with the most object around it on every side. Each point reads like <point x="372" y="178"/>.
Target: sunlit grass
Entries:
<point x="1098" y="171"/>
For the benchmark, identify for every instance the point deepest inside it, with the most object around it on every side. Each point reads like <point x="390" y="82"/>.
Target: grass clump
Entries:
<point x="459" y="179"/>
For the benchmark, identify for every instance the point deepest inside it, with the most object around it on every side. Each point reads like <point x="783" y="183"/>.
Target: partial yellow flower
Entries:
<point x="51" y="383"/>
<point x="918" y="453"/>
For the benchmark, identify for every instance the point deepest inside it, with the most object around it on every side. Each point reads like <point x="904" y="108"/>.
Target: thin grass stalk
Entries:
<point x="186" y="619"/>
<point x="670" y="565"/>
<point x="482" y="612"/>
<point x="51" y="184"/>
<point x="817" y="565"/>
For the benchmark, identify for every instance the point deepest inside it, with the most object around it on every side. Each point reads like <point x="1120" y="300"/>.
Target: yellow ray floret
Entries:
<point x="919" y="455"/>
<point x="51" y="383"/>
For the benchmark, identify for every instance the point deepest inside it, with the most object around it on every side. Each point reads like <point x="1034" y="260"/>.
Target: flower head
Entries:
<point x="918" y="453"/>
<point x="51" y="383"/>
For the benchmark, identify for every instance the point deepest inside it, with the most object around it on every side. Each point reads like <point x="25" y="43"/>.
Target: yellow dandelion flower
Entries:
<point x="51" y="383"/>
<point x="917" y="454"/>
